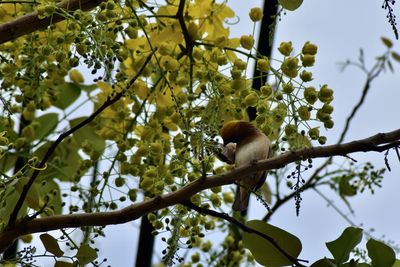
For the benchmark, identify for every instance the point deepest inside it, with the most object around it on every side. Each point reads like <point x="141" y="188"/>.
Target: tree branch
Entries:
<point x="242" y="226"/>
<point x="61" y="137"/>
<point x="31" y="22"/>
<point x="378" y="143"/>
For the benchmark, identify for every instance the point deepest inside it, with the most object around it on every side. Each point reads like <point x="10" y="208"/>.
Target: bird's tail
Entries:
<point x="242" y="200"/>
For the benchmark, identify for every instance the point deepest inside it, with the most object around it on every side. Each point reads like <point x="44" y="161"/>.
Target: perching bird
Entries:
<point x="251" y="145"/>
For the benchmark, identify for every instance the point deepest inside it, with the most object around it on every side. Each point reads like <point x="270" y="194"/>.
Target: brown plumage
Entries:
<point x="251" y="145"/>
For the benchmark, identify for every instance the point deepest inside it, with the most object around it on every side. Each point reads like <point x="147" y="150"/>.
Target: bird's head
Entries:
<point x="238" y="131"/>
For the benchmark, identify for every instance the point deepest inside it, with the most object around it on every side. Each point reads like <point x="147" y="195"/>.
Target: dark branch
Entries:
<point x="31" y="22"/>
<point x="379" y="142"/>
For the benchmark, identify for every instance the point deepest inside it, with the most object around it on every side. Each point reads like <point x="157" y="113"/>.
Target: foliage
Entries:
<point x="162" y="133"/>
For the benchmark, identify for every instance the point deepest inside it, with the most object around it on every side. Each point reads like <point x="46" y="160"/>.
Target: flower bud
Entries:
<point x="290" y="129"/>
<point x="322" y="140"/>
<point x="289" y="67"/>
<point x="322" y="116"/>
<point x="263" y="65"/>
<point x="313" y="133"/>
<point x="309" y="49"/>
<point x="327" y="108"/>
<point x="311" y="95"/>
<point x="287" y="88"/>
<point x="247" y="41"/>
<point x="329" y="124"/>
<point x="325" y="94"/>
<point x="256" y="14"/>
<point x="306" y="76"/>
<point x="251" y="99"/>
<point x="240" y="64"/>
<point x="266" y="90"/>
<point x="307" y="60"/>
<point x="285" y="48"/>
<point x="304" y="113"/>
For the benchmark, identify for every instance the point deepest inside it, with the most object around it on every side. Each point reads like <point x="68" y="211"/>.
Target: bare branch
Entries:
<point x="379" y="142"/>
<point x="31" y="22"/>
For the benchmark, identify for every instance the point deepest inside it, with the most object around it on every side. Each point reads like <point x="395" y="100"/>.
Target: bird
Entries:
<point x="251" y="145"/>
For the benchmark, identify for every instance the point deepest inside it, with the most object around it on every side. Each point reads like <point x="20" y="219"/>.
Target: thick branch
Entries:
<point x="31" y="22"/>
<point x="378" y="143"/>
<point x="110" y="101"/>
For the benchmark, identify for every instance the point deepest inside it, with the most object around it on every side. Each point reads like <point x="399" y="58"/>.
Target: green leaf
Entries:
<point x="266" y="192"/>
<point x="381" y="254"/>
<point x="395" y="56"/>
<point x="63" y="264"/>
<point x="341" y="247"/>
<point x="64" y="162"/>
<point x="8" y="161"/>
<point x="52" y="190"/>
<point x="387" y="42"/>
<point x="88" y="88"/>
<point x="396" y="263"/>
<point x="290" y="4"/>
<point x="11" y="196"/>
<point x="345" y="188"/>
<point x="33" y="196"/>
<point x="323" y="263"/>
<point x="86" y="254"/>
<point x="264" y="251"/>
<point x="51" y="245"/>
<point x="88" y="134"/>
<point x="68" y="94"/>
<point x="355" y="264"/>
<point x="48" y="122"/>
